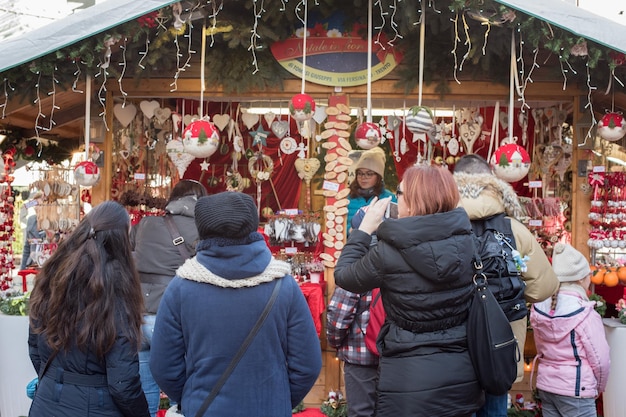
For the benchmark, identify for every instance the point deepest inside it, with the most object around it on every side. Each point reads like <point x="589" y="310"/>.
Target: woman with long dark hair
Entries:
<point x="85" y="322"/>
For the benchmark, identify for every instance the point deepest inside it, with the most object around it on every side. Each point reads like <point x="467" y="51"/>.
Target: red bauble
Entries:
<point x="510" y="162"/>
<point x="612" y="126"/>
<point x="367" y="135"/>
<point x="86" y="173"/>
<point x="302" y="107"/>
<point x="201" y="139"/>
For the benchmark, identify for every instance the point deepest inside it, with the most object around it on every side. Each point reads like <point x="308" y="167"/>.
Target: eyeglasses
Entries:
<point x="399" y="192"/>
<point x="365" y="174"/>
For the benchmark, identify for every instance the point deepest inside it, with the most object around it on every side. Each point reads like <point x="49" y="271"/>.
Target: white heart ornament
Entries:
<point x="453" y="146"/>
<point x="148" y="107"/>
<point x="249" y="119"/>
<point x="269" y="117"/>
<point x="279" y="128"/>
<point x="162" y="114"/>
<point x="125" y="114"/>
<point x="176" y="121"/>
<point x="221" y="121"/>
<point x="190" y="118"/>
<point x="180" y="159"/>
<point x="504" y="120"/>
<point x="320" y="114"/>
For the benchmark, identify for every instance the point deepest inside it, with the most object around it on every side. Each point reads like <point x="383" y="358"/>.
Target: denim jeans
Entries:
<point x="495" y="406"/>
<point x="555" y="405"/>
<point x="148" y="384"/>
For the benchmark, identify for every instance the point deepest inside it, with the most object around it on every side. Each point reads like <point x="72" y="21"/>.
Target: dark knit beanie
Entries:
<point x="228" y="214"/>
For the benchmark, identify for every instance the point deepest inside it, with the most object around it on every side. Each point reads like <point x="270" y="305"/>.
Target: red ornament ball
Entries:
<point x="510" y="162"/>
<point x="201" y="139"/>
<point x="612" y="126"/>
<point x="367" y="135"/>
<point x="302" y="107"/>
<point x="86" y="173"/>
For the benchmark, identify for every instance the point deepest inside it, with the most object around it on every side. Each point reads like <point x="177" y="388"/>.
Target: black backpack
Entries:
<point x="495" y="244"/>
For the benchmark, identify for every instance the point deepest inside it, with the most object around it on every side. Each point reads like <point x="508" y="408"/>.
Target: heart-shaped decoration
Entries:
<point x="148" y="107"/>
<point x="279" y="128"/>
<point x="176" y="121"/>
<point x="125" y="114"/>
<point x="162" y="114"/>
<point x="250" y="119"/>
<point x="504" y="120"/>
<point x="124" y="153"/>
<point x="320" y="114"/>
<point x="269" y="117"/>
<point x="190" y="118"/>
<point x="221" y="121"/>
<point x="548" y="155"/>
<point x="180" y="159"/>
<point x="469" y="132"/>
<point x="393" y="122"/>
<point x="307" y="167"/>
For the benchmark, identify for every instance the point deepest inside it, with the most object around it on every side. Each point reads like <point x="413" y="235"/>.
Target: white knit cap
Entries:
<point x="569" y="264"/>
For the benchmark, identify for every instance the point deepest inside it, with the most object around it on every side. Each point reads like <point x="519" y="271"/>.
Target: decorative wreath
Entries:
<point x="234" y="181"/>
<point x="257" y="162"/>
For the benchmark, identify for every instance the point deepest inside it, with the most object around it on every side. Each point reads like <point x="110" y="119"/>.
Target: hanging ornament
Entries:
<point x="612" y="126"/>
<point x="86" y="174"/>
<point x="510" y="162"/>
<point x="420" y="119"/>
<point x="302" y="107"/>
<point x="367" y="135"/>
<point x="288" y="145"/>
<point x="201" y="138"/>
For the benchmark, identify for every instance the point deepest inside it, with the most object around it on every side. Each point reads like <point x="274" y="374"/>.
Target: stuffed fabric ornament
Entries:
<point x="201" y="139"/>
<point x="367" y="135"/>
<point x="86" y="174"/>
<point x="420" y="119"/>
<point x="510" y="162"/>
<point x="302" y="107"/>
<point x="612" y="126"/>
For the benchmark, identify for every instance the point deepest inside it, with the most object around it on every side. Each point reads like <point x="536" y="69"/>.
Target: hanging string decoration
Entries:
<point x="368" y="134"/>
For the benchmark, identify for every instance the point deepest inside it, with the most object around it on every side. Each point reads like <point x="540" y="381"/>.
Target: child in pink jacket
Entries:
<point x="572" y="351"/>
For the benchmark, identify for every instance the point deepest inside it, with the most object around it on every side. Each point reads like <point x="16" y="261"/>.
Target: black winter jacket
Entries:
<point x="423" y="267"/>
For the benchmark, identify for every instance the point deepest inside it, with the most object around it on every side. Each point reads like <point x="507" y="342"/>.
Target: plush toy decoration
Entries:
<point x="367" y="135"/>
<point x="612" y="126"/>
<point x="510" y="162"/>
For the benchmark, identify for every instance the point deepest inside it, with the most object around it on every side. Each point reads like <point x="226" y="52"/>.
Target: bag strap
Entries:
<point x="177" y="238"/>
<point x="246" y="343"/>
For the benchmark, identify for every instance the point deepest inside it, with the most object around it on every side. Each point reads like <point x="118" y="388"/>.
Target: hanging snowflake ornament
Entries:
<point x="367" y="135"/>
<point x="86" y="174"/>
<point x="612" y="126"/>
<point x="420" y="119"/>
<point x="510" y="162"/>
<point x="302" y="107"/>
<point x="201" y="138"/>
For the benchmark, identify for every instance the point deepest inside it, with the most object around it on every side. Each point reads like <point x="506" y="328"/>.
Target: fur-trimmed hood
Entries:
<point x="194" y="271"/>
<point x="483" y="195"/>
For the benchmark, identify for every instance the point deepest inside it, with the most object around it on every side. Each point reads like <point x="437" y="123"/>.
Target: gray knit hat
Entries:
<point x="228" y="214"/>
<point x="569" y="264"/>
<point x="372" y="159"/>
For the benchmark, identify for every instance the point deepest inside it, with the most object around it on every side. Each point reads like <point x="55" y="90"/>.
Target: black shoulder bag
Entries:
<point x="177" y="239"/>
<point x="490" y="340"/>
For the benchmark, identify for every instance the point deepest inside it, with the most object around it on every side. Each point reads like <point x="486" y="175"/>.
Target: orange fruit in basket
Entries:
<point x="621" y="274"/>
<point x="611" y="279"/>
<point x="597" y="276"/>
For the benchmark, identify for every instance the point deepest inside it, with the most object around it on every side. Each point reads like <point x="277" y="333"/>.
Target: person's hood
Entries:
<point x="572" y="308"/>
<point x="184" y="206"/>
<point x="484" y="195"/>
<point x="436" y="253"/>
